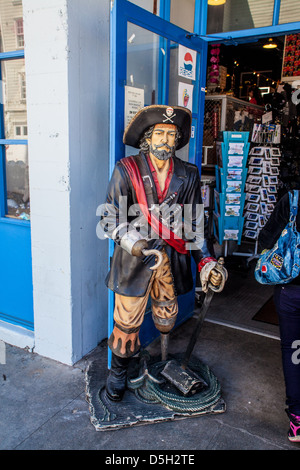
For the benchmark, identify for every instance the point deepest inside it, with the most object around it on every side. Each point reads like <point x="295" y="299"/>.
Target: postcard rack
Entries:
<point x="229" y="197"/>
<point x="261" y="188"/>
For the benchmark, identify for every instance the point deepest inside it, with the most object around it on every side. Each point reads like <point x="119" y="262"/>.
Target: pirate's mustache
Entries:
<point x="163" y="145"/>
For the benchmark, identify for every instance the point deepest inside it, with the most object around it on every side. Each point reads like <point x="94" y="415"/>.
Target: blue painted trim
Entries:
<point x="2" y="131"/>
<point x="276" y="12"/>
<point x="17" y="321"/>
<point x="281" y="29"/>
<point x="118" y="71"/>
<point x="200" y="17"/>
<point x="196" y="111"/>
<point x="12" y="55"/>
<point x="118" y="74"/>
<point x="164" y="13"/>
<point x="3" y="141"/>
<point x="13" y="142"/>
<point x="165" y="9"/>
<point x="13" y="221"/>
<point x="3" y="201"/>
<point x="201" y="104"/>
<point x="197" y="18"/>
<point x="200" y="28"/>
<point x="144" y="19"/>
<point x="16" y="272"/>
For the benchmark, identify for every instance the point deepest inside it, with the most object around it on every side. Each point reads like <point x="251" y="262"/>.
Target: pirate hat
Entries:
<point x="158" y="114"/>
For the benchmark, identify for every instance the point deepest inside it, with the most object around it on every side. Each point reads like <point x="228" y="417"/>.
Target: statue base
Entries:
<point x="149" y="398"/>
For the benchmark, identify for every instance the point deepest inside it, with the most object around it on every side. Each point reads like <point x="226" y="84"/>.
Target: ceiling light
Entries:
<point x="270" y="44"/>
<point x="216" y="2"/>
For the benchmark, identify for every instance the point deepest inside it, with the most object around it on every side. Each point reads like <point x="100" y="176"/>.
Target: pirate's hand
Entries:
<point x="213" y="275"/>
<point x="138" y="247"/>
<point x="218" y="276"/>
<point x="215" y="278"/>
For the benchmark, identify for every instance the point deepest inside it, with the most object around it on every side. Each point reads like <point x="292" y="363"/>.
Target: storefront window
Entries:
<point x="182" y="14"/>
<point x="150" y="5"/>
<point x="14" y="99"/>
<point x="142" y="62"/>
<point x="289" y="11"/>
<point x="13" y="117"/>
<point x="153" y="64"/>
<point x="237" y="15"/>
<point x="143" y="50"/>
<point x="17" y="182"/>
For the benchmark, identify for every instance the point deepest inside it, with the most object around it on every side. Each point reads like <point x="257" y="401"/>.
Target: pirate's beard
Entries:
<point x="162" y="154"/>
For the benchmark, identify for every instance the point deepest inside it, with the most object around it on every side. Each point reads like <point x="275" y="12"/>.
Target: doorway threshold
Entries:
<point x="266" y="332"/>
<point x="240" y="301"/>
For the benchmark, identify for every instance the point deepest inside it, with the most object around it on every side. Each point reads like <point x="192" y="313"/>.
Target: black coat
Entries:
<point x="130" y="275"/>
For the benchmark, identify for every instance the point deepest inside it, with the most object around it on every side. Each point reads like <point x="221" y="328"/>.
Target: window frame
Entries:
<point x="19" y="22"/>
<point x="233" y="37"/>
<point x="12" y="55"/>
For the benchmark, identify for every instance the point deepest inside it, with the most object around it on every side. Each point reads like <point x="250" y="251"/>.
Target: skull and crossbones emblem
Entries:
<point x="169" y="115"/>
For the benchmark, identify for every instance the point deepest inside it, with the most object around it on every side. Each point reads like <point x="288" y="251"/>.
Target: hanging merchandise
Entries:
<point x="291" y="57"/>
<point x="217" y="73"/>
<point x="266" y="134"/>
<point x="215" y="123"/>
<point x="214" y="60"/>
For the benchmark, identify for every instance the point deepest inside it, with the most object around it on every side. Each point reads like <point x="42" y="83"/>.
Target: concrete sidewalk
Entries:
<point x="43" y="405"/>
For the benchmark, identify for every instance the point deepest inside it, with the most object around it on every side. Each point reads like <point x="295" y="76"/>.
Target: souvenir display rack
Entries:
<point x="229" y="197"/>
<point x="261" y="188"/>
<point x="262" y="179"/>
<point x="266" y="134"/>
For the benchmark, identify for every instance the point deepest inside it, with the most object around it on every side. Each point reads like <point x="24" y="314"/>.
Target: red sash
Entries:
<point x="165" y="233"/>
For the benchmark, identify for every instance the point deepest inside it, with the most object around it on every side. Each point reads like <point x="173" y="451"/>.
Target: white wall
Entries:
<point x="66" y="58"/>
<point x="89" y="152"/>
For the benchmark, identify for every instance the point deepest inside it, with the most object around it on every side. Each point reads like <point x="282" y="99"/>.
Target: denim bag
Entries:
<point x="281" y="264"/>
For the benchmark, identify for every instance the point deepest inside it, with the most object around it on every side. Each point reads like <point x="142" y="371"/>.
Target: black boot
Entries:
<point x="117" y="377"/>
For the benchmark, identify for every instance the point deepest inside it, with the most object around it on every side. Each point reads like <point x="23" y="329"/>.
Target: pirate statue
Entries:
<point x="144" y="215"/>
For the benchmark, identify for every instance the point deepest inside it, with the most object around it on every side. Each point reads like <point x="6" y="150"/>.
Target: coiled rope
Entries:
<point x="150" y="391"/>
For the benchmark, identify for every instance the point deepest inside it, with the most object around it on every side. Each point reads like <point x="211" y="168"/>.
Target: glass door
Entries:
<point x="153" y="62"/>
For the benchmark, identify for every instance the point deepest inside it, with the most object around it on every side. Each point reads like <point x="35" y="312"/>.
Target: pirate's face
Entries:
<point x="162" y="141"/>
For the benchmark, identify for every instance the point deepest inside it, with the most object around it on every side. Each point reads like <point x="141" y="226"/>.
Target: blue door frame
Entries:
<point x="16" y="293"/>
<point x="123" y="12"/>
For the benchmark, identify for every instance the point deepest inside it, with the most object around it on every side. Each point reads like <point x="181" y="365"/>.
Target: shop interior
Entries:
<point x="243" y="179"/>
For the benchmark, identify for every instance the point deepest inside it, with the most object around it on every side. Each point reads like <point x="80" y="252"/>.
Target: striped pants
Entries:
<point x="129" y="311"/>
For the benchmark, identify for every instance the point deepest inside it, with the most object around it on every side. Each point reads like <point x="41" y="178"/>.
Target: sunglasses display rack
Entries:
<point x="229" y="194"/>
<point x="266" y="134"/>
